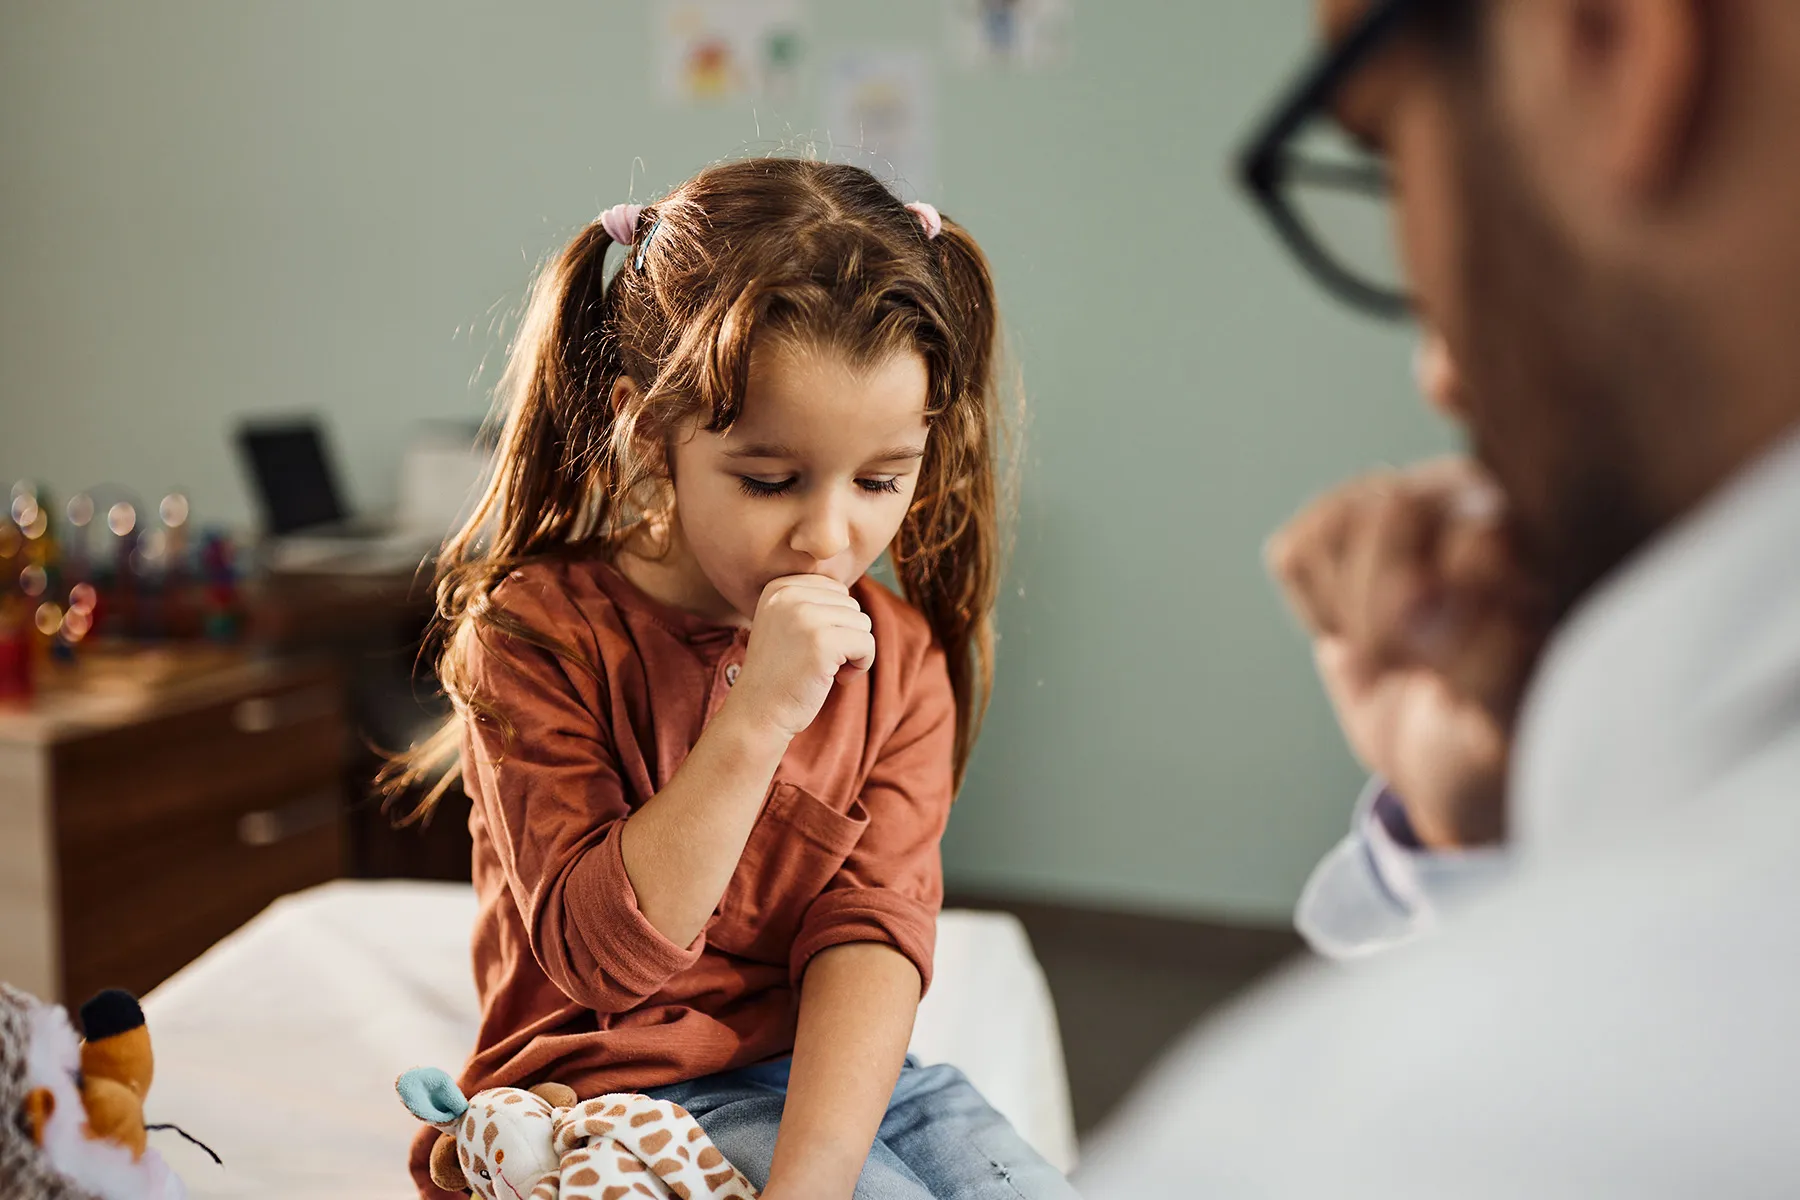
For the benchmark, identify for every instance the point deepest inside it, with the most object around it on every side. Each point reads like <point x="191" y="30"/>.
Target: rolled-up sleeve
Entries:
<point x="543" y="775"/>
<point x="891" y="886"/>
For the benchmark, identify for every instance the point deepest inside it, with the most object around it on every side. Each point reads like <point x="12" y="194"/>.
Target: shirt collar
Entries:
<point x="1651" y="687"/>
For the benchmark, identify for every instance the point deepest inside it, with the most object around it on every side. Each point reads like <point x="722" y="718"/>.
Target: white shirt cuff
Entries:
<point x="1378" y="888"/>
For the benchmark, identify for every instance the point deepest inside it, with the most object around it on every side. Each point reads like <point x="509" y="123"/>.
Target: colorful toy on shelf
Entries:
<point x="218" y="570"/>
<point x="17" y="672"/>
<point x="24" y="580"/>
<point x="107" y="565"/>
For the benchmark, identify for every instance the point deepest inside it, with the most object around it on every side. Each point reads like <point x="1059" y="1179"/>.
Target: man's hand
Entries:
<point x="1425" y="629"/>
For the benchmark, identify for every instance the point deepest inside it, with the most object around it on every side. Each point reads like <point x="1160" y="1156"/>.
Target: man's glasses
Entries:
<point x="1331" y="203"/>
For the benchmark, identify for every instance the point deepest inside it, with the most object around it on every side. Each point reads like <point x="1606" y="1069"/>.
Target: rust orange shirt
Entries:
<point x="576" y="986"/>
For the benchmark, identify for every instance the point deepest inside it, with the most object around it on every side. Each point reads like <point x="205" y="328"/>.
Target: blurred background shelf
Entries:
<point x="152" y="801"/>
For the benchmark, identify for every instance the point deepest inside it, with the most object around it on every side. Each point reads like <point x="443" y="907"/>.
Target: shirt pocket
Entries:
<point x="798" y="844"/>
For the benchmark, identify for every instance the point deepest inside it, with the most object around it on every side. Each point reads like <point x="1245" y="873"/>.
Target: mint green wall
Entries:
<point x="209" y="208"/>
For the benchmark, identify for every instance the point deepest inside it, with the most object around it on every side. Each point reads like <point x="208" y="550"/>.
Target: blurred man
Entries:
<point x="1599" y="208"/>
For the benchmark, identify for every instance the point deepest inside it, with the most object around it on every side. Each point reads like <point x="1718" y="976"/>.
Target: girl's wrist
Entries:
<point x="746" y="736"/>
<point x="810" y="1185"/>
<point x="814" y="1163"/>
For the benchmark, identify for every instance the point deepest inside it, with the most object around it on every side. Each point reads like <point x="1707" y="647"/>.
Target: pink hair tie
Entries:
<point x="929" y="220"/>
<point x="620" y="222"/>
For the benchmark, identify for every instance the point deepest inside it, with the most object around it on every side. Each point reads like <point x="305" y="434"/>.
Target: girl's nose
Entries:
<point x="823" y="532"/>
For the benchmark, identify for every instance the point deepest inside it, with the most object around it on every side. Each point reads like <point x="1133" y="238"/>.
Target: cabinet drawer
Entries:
<point x="136" y="909"/>
<point x="141" y="780"/>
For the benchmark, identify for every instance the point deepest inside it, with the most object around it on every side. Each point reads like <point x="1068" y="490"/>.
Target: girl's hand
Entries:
<point x="808" y="632"/>
<point x="1425" y="629"/>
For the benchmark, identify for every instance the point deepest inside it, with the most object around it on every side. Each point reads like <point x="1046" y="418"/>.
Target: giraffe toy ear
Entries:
<point x="433" y="1097"/>
<point x="556" y="1095"/>
<point x="446" y="1172"/>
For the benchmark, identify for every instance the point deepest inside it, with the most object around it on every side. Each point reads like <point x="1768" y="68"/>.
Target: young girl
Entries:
<point x="710" y="760"/>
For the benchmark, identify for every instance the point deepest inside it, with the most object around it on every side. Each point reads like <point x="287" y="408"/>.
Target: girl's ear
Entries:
<point x="446" y="1172"/>
<point x="624" y="391"/>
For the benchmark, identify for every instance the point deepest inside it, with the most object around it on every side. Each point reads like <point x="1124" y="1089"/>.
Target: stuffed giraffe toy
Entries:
<point x="543" y="1144"/>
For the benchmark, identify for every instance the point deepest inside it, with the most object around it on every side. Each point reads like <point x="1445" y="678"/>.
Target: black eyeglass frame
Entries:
<point x="1268" y="162"/>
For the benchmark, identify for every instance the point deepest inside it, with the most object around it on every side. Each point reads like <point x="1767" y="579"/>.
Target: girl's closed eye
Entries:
<point x="752" y="486"/>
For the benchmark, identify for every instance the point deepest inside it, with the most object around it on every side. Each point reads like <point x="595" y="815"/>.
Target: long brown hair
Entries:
<point x="817" y="253"/>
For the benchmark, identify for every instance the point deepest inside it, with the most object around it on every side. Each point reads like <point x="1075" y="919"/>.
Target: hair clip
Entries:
<point x="637" y="263"/>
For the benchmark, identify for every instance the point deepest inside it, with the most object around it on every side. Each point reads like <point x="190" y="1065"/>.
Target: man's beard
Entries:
<point x="1569" y="375"/>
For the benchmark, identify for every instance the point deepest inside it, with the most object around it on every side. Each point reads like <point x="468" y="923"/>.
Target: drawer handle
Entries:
<point x="264" y="714"/>
<point x="269" y="826"/>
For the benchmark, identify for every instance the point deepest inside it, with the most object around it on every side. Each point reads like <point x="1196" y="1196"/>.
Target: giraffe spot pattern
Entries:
<point x="572" y="1132"/>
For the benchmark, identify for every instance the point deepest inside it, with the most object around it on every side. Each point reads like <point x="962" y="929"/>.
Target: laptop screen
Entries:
<point x="292" y="474"/>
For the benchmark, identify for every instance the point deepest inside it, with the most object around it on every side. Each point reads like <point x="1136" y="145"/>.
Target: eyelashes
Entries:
<point x="752" y="486"/>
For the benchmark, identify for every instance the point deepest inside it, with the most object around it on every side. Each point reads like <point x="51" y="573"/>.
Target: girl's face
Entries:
<point x="813" y="479"/>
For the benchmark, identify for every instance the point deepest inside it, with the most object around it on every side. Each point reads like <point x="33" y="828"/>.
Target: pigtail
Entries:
<point x="555" y="451"/>
<point x="950" y="551"/>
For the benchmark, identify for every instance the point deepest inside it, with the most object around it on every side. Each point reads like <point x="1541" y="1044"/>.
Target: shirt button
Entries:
<point x="731" y="674"/>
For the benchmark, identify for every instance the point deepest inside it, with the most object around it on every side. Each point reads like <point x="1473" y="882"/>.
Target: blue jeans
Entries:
<point x="939" y="1141"/>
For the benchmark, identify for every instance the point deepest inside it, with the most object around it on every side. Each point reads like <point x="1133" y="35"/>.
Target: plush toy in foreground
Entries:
<point x="72" y="1111"/>
<point x="544" y="1144"/>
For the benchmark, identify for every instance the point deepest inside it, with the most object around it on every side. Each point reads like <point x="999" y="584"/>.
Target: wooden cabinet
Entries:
<point x="370" y="626"/>
<point x="151" y="805"/>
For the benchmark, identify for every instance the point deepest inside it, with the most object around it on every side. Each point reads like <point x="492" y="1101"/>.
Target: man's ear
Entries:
<point x="1643" y="64"/>
<point x="446" y="1172"/>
